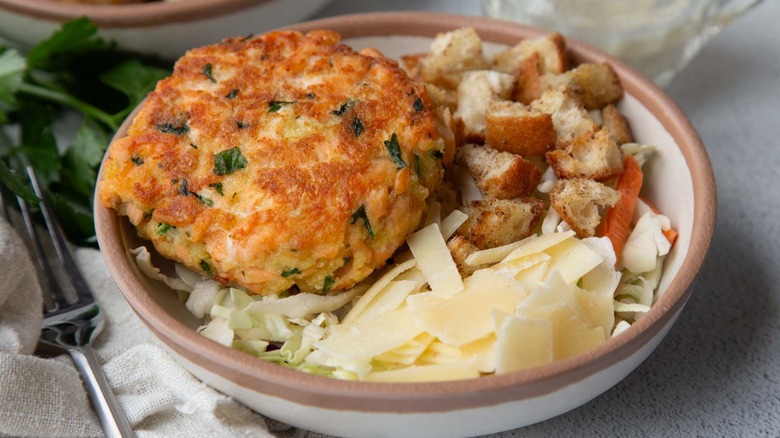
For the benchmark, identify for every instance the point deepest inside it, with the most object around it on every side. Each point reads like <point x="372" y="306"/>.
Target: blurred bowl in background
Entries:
<point x="165" y="28"/>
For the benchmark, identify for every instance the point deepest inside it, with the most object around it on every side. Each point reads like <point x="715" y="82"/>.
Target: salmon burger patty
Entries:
<point x="276" y="161"/>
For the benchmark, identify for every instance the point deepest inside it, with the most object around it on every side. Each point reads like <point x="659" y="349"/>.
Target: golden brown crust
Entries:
<point x="511" y="127"/>
<point x="616" y="124"/>
<point x="311" y="118"/>
<point x="580" y="203"/>
<point x="528" y="85"/>
<point x="593" y="155"/>
<point x="496" y="222"/>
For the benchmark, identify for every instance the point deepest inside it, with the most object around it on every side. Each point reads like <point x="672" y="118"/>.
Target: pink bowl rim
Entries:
<point x="311" y="390"/>
<point x="129" y="15"/>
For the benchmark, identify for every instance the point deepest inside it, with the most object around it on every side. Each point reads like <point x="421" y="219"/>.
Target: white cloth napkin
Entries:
<point x="45" y="397"/>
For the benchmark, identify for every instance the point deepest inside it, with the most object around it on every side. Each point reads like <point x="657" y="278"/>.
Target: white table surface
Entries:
<point x="718" y="371"/>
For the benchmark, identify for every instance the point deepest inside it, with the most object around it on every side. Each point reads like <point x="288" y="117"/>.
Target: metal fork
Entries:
<point x="72" y="318"/>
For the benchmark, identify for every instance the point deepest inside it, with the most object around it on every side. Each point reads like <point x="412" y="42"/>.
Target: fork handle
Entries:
<point x="107" y="408"/>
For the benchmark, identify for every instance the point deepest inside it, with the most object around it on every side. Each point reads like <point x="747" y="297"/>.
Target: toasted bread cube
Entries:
<point x="580" y="203"/>
<point x="452" y="53"/>
<point x="412" y="63"/>
<point x="594" y="155"/>
<point x="460" y="248"/>
<point x="476" y="91"/>
<point x="612" y="120"/>
<point x="528" y="83"/>
<point x="443" y="97"/>
<point x="496" y="222"/>
<point x="551" y="50"/>
<point x="515" y="128"/>
<point x="499" y="175"/>
<point x="598" y="84"/>
<point x="570" y="119"/>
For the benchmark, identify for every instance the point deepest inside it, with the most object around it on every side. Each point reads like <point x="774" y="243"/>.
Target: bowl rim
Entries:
<point x="129" y="15"/>
<point x="311" y="390"/>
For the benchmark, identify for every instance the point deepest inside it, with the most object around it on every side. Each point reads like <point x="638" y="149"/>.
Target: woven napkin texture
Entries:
<point x="46" y="397"/>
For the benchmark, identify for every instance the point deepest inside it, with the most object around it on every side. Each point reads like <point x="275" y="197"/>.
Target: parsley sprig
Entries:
<point x="73" y="69"/>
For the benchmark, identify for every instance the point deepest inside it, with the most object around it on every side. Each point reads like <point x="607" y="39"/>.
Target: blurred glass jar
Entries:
<point x="657" y="37"/>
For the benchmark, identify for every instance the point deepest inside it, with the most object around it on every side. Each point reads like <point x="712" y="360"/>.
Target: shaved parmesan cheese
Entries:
<point x="631" y="307"/>
<point x="572" y="259"/>
<point x="375" y="289"/>
<point x="379" y="335"/>
<point x="466" y="317"/>
<point x="493" y="255"/>
<point x="451" y="223"/>
<point x="408" y="353"/>
<point x="620" y="328"/>
<point x="435" y="261"/>
<point x="599" y="308"/>
<point x="389" y="299"/>
<point x="523" y="343"/>
<point x="483" y="352"/>
<point x="427" y="373"/>
<point x="535" y="244"/>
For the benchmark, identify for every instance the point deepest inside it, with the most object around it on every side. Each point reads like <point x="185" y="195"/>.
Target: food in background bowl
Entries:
<point x="679" y="180"/>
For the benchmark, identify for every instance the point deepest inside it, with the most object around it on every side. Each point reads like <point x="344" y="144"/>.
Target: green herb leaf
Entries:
<point x="74" y="38"/>
<point x="137" y="160"/>
<point x="170" y="128"/>
<point x="83" y="157"/>
<point x="207" y="268"/>
<point x="276" y="105"/>
<point x="417" y="164"/>
<point x="12" y="67"/>
<point x="288" y="272"/>
<point x="229" y="161"/>
<point x="436" y="155"/>
<point x="310" y="96"/>
<point x="233" y="93"/>
<point x="16" y="184"/>
<point x="38" y="141"/>
<point x="72" y="213"/>
<point x="133" y="79"/>
<point x="207" y="71"/>
<point x="358" y="125"/>
<point x="328" y="284"/>
<point x="360" y="213"/>
<point x="343" y="108"/>
<point x="163" y="228"/>
<point x="395" y="151"/>
<point x="241" y="125"/>
<point x="417" y="105"/>
<point x="218" y="188"/>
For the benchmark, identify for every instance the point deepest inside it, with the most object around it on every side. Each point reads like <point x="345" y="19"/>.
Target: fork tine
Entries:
<point x="53" y="298"/>
<point x="80" y="292"/>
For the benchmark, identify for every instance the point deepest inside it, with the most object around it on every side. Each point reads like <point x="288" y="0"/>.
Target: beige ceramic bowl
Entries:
<point x="167" y="28"/>
<point x="679" y="180"/>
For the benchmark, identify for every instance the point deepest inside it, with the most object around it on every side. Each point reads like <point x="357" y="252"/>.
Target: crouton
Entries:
<point x="452" y="53"/>
<point x="528" y="83"/>
<point x="460" y="248"/>
<point x="570" y="119"/>
<point x="513" y="127"/>
<point x="497" y="222"/>
<point x="616" y="124"/>
<point x="580" y="203"/>
<point x="594" y="155"/>
<point x="597" y="84"/>
<point x="476" y="91"/>
<point x="499" y="175"/>
<point x="411" y="64"/>
<point x="551" y="50"/>
<point x="443" y="96"/>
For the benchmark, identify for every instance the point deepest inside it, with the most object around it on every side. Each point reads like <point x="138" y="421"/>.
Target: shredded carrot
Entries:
<point x="619" y="217"/>
<point x="671" y="234"/>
